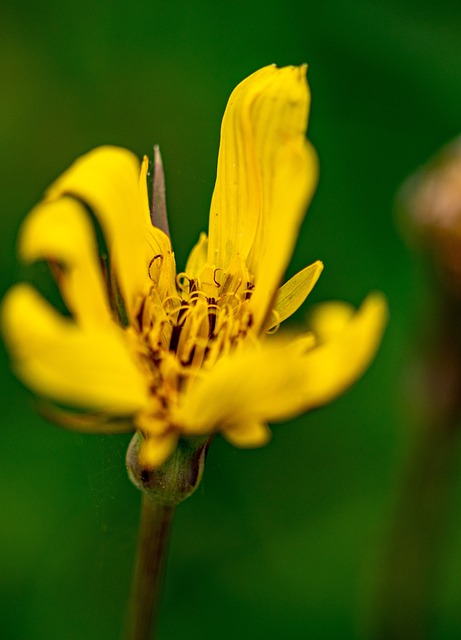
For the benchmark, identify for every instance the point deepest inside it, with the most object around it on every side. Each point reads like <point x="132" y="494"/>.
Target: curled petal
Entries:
<point x="60" y="231"/>
<point x="108" y="181"/>
<point x="92" y="369"/>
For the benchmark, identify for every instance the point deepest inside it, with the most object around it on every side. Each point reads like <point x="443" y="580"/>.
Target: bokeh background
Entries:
<point x="286" y="541"/>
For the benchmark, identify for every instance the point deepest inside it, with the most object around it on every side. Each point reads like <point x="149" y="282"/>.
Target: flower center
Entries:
<point x="191" y="328"/>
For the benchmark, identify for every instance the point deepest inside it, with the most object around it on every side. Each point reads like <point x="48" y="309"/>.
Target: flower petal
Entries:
<point x="245" y="388"/>
<point x="83" y="368"/>
<point x="293" y="293"/>
<point x="293" y="186"/>
<point x="266" y="175"/>
<point x="197" y="257"/>
<point x="158" y="240"/>
<point x="85" y="422"/>
<point x="60" y="231"/>
<point x="107" y="180"/>
<point x="161" y="266"/>
<point x="350" y="341"/>
<point x="246" y="435"/>
<point x="281" y="380"/>
<point x="156" y="449"/>
<point x="328" y="319"/>
<point x="237" y="198"/>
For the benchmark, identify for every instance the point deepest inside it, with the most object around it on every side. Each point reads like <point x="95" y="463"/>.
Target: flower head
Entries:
<point x="187" y="354"/>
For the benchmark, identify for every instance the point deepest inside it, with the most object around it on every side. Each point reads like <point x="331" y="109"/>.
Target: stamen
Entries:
<point x="158" y="257"/>
<point x="180" y="281"/>
<point x="177" y="328"/>
<point x="218" y="284"/>
<point x="248" y="291"/>
<point x="189" y="331"/>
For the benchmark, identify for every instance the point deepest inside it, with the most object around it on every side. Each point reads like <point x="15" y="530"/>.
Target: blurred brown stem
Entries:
<point x="405" y="593"/>
<point x="406" y="587"/>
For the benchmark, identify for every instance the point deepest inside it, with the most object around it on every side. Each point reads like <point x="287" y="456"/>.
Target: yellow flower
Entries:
<point x="188" y="354"/>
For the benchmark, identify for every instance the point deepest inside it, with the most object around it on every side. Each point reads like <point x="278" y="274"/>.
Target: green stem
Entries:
<point x="155" y="527"/>
<point x="162" y="489"/>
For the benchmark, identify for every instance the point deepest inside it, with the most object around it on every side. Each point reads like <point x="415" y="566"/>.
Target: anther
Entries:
<point x="157" y="257"/>
<point x="214" y="276"/>
<point x="181" y="279"/>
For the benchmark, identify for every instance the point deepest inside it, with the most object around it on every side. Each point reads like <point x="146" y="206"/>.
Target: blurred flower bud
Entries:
<point x="178" y="477"/>
<point x="431" y="202"/>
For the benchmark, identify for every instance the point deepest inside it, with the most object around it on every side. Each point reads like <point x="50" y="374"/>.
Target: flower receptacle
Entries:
<point x="177" y="478"/>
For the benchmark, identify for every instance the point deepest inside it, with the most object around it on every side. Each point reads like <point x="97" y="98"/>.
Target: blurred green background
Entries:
<point x="282" y="542"/>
